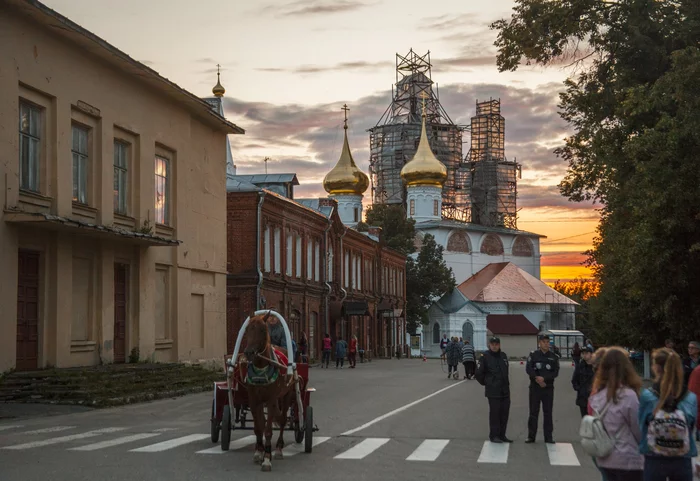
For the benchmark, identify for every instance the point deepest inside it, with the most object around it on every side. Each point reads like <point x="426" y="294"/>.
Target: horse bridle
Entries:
<point x="252" y="354"/>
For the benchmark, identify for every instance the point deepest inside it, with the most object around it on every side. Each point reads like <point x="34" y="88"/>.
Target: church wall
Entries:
<point x="452" y="324"/>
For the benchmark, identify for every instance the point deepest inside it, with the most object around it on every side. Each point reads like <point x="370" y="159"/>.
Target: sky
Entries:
<point x="288" y="67"/>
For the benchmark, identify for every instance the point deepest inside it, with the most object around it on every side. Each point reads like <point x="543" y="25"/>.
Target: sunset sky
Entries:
<point x="289" y="66"/>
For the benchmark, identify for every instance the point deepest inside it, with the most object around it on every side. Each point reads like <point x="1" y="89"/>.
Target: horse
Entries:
<point x="267" y="384"/>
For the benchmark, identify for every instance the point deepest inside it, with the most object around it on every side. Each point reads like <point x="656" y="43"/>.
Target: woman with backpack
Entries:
<point x="615" y="402"/>
<point x="667" y="415"/>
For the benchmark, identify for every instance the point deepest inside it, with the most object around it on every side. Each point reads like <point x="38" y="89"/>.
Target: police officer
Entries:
<point x="492" y="372"/>
<point x="542" y="367"/>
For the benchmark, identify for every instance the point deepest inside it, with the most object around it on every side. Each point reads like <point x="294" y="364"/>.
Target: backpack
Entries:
<point x="668" y="434"/>
<point x="595" y="439"/>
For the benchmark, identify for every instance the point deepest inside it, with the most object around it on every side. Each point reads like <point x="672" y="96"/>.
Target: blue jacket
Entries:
<point x="647" y="403"/>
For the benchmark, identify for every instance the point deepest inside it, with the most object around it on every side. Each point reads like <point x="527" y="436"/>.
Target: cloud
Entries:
<point x="563" y="258"/>
<point x="343" y="66"/>
<point x="313" y="7"/>
<point x="307" y="139"/>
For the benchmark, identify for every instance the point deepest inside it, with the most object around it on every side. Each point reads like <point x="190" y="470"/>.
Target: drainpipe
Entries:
<point x="261" y="199"/>
<point x="327" y="282"/>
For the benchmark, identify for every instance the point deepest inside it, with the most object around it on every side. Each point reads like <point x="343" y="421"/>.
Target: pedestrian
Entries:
<point x="352" y="352"/>
<point x="576" y="353"/>
<point x="542" y="367"/>
<point x="692" y="361"/>
<point x="669" y="344"/>
<point x="492" y="373"/>
<point x="468" y="360"/>
<point x="443" y="346"/>
<point x="616" y="401"/>
<point x="582" y="380"/>
<point x="598" y="356"/>
<point x="454" y="356"/>
<point x="694" y="387"/>
<point x="341" y="348"/>
<point x="303" y="348"/>
<point x="327" y="346"/>
<point x="667" y="415"/>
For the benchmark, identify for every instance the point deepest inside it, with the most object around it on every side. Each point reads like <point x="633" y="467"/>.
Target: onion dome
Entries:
<point x="346" y="177"/>
<point x="218" y="89"/>
<point x="424" y="168"/>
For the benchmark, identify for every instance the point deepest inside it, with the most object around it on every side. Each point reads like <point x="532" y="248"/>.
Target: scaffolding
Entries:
<point x="395" y="137"/>
<point x="493" y="178"/>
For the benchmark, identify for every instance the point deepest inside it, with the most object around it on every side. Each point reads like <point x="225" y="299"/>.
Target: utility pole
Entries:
<point x="265" y="160"/>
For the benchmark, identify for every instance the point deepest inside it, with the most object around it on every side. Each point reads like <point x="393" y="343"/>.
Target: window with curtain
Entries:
<point x="121" y="166"/>
<point x="162" y="190"/>
<point x="29" y="146"/>
<point x="80" y="164"/>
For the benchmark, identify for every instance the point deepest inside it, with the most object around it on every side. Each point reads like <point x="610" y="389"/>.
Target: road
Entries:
<point x="384" y="420"/>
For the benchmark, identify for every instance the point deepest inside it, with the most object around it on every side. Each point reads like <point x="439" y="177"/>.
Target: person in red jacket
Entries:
<point x="352" y="352"/>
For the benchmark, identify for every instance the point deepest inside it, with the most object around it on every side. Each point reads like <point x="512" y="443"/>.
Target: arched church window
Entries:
<point x="522" y="247"/>
<point x="492" y="245"/>
<point x="436" y="333"/>
<point x="468" y="332"/>
<point x="458" y="242"/>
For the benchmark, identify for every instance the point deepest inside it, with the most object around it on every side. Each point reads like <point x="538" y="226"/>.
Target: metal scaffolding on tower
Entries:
<point x="395" y="137"/>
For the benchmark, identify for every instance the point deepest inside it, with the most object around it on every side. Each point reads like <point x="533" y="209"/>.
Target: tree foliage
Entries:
<point x="397" y="229"/>
<point x="584" y="292"/>
<point x="634" y="105"/>
<point x="427" y="278"/>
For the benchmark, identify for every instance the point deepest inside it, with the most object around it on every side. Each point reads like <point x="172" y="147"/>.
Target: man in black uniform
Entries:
<point x="542" y="367"/>
<point x="492" y="372"/>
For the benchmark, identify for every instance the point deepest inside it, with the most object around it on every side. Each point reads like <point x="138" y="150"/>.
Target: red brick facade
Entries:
<point x="360" y="293"/>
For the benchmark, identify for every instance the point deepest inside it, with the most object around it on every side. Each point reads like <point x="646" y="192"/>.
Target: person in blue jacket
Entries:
<point x="667" y="417"/>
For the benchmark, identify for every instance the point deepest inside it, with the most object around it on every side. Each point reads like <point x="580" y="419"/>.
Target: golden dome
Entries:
<point x="345" y="177"/>
<point x="218" y="89"/>
<point x="424" y="168"/>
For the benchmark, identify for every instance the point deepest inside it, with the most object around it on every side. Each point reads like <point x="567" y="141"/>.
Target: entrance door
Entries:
<point x="27" y="310"/>
<point x="120" y="289"/>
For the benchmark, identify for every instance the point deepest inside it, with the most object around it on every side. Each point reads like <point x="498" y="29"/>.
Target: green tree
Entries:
<point x="427" y="278"/>
<point x="634" y="106"/>
<point x="398" y="230"/>
<point x="584" y="292"/>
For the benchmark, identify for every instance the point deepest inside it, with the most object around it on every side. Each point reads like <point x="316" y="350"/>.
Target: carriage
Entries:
<point x="230" y="408"/>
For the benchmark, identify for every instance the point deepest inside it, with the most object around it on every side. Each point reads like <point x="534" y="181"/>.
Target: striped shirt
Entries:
<point x="468" y="354"/>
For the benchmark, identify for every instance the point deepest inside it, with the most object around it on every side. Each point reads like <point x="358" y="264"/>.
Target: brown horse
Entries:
<point x="267" y="384"/>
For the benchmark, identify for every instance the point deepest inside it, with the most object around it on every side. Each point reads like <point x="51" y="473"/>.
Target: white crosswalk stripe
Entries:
<point x="115" y="442"/>
<point x="64" y="439"/>
<point x="294" y="449"/>
<point x="363" y="449"/>
<point x="237" y="444"/>
<point x="11" y="426"/>
<point x="54" y="429"/>
<point x="429" y="450"/>
<point x="494" y="453"/>
<point x="562" y="454"/>
<point x="170" y="444"/>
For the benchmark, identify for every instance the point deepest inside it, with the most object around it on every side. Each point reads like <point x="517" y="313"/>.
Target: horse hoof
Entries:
<point x="278" y="454"/>
<point x="266" y="465"/>
<point x="258" y="457"/>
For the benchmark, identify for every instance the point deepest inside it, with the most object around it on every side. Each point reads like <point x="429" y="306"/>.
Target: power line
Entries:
<point x="570" y="237"/>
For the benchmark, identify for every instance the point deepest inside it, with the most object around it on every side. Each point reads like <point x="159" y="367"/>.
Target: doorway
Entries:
<point x="120" y="301"/>
<point x="27" y="310"/>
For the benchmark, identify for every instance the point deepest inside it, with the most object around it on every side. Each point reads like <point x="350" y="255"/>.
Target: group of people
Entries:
<point x="456" y="351"/>
<point x="652" y="432"/>
<point x="342" y="349"/>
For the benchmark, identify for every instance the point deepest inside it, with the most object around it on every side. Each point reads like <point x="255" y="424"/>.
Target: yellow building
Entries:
<point x="113" y="228"/>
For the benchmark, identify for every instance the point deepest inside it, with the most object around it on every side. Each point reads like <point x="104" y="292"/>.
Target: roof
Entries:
<point x="315" y="204"/>
<point x="91" y="43"/>
<point x="453" y="224"/>
<point x="453" y="302"/>
<point x="235" y="184"/>
<point x="270" y="178"/>
<point x="510" y="324"/>
<point x="506" y="282"/>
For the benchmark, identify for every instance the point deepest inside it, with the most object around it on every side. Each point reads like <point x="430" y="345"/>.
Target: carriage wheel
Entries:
<point x="298" y="432"/>
<point x="226" y="428"/>
<point x="215" y="425"/>
<point x="309" y="428"/>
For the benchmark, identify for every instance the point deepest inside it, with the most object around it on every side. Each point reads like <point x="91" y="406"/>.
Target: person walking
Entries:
<point x="303" y="348"/>
<point x="341" y="348"/>
<point x="616" y="401"/>
<point x="692" y="361"/>
<point x="443" y="346"/>
<point x="352" y="352"/>
<point x="454" y="356"/>
<point x="468" y="360"/>
<point x="694" y="387"/>
<point x="582" y="380"/>
<point x="576" y="353"/>
<point x="667" y="415"/>
<point x="492" y="372"/>
<point x="542" y="367"/>
<point x="327" y="346"/>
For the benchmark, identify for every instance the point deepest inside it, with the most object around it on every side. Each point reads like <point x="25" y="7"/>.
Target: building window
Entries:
<point x="278" y="250"/>
<point x="436" y="333"/>
<point x="288" y="255"/>
<point x="266" y="248"/>
<point x="80" y="164"/>
<point x="121" y="166"/>
<point x="162" y="190"/>
<point x="309" y="258"/>
<point x="298" y="254"/>
<point x="29" y="146"/>
<point x="330" y="263"/>
<point x="162" y="303"/>
<point x="317" y="261"/>
<point x="356" y="214"/>
<point x="436" y="211"/>
<point x="413" y="206"/>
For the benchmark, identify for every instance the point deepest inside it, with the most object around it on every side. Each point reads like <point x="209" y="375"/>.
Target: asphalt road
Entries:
<point x="398" y="419"/>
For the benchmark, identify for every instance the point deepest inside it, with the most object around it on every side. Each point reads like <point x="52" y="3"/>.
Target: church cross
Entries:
<point x="218" y="70"/>
<point x="345" y="109"/>
<point x="423" y="95"/>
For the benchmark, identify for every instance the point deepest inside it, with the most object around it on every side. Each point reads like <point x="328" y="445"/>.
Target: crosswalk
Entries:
<point x="341" y="448"/>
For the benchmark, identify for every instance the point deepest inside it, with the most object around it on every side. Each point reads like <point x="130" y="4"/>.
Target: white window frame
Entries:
<point x="288" y="256"/>
<point x="162" y="181"/>
<point x="30" y="147"/>
<point x="122" y="150"/>
<point x="81" y="162"/>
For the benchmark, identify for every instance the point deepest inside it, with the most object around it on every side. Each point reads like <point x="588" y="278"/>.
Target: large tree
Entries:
<point x="633" y="102"/>
<point x="397" y="229"/>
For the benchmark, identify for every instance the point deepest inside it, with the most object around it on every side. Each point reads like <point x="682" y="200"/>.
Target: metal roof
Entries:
<point x="315" y="205"/>
<point x="270" y="178"/>
<point x="454" y="301"/>
<point x="236" y="184"/>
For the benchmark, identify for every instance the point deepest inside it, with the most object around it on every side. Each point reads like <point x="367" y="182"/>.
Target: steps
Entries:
<point x="109" y="385"/>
